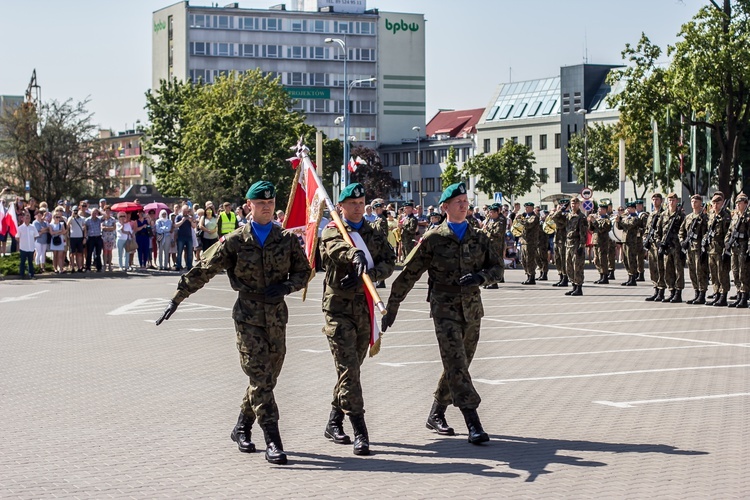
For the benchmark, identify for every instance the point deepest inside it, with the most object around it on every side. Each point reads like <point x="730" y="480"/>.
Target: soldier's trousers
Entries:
<point x="574" y="264"/>
<point x="528" y="259"/>
<point x="640" y="255"/>
<point x="719" y="273"/>
<point x="560" y="257"/>
<point x="262" y="351"/>
<point x="601" y="255"/>
<point x="407" y="245"/>
<point x="612" y="255"/>
<point x="674" y="269"/>
<point x="656" y="267"/>
<point x="348" y="333"/>
<point x="630" y="258"/>
<point x="698" y="270"/>
<point x="739" y="262"/>
<point x="542" y="256"/>
<point x="457" y="341"/>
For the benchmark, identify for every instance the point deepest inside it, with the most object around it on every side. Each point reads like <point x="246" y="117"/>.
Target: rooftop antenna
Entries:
<point x="510" y="74"/>
<point x="585" y="48"/>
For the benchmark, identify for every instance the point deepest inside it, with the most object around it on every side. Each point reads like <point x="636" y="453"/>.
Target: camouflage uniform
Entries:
<point x="741" y="225"/>
<point x="639" y="249"/>
<point x="631" y="224"/>
<point x="529" y="241"/>
<point x="260" y="323"/>
<point x="409" y="234"/>
<point x="718" y="267"/>
<point x="669" y="249"/>
<point x="655" y="263"/>
<point x="380" y="224"/>
<point x="455" y="310"/>
<point x="600" y="228"/>
<point x="694" y="226"/>
<point x="576" y="228"/>
<point x="542" y="255"/>
<point x="560" y="218"/>
<point x="346" y="311"/>
<point x="495" y="229"/>
<point x="473" y="222"/>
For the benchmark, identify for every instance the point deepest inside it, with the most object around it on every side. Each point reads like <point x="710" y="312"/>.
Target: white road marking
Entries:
<point x="20" y="298"/>
<point x="156" y="305"/>
<point x="315" y="351"/>
<point x="631" y="404"/>
<point x="608" y="374"/>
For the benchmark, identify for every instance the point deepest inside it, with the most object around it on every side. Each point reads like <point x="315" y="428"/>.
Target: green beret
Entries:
<point x="408" y="204"/>
<point x="471" y="207"/>
<point x="630" y="205"/>
<point x="261" y="190"/>
<point x="639" y="202"/>
<point x="494" y="206"/>
<point x="528" y="204"/>
<point x="452" y="191"/>
<point x="355" y="190"/>
<point x="564" y="201"/>
<point x="434" y="214"/>
<point x="605" y="201"/>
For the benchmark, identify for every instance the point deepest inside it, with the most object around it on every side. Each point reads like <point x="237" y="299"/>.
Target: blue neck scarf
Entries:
<point x="356" y="226"/>
<point x="459" y="228"/>
<point x="262" y="231"/>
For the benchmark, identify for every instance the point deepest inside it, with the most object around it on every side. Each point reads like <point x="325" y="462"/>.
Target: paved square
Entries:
<point x="601" y="396"/>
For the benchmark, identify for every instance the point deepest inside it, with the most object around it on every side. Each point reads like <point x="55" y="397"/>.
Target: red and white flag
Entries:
<point x="10" y="221"/>
<point x="354" y="163"/>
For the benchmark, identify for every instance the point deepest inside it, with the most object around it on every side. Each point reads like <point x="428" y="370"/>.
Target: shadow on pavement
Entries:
<point x="519" y="453"/>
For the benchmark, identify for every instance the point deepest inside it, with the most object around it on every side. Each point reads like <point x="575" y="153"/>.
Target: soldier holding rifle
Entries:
<point x="669" y="249"/>
<point x="655" y="263"/>
<point x="736" y="249"/>
<point x="712" y="246"/>
<point x="691" y="234"/>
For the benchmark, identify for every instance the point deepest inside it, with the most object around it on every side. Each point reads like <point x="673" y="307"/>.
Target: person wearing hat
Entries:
<point x="670" y="250"/>
<point x="718" y="223"/>
<point x="495" y="227"/>
<point x="736" y="244"/>
<point x="616" y="246"/>
<point x="264" y="263"/>
<point x="435" y="220"/>
<point x="529" y="241"/>
<point x="655" y="263"/>
<point x="560" y="217"/>
<point x="471" y="218"/>
<point x="409" y="226"/>
<point x="600" y="226"/>
<point x="542" y="248"/>
<point x="576" y="233"/>
<point x="347" y="314"/>
<point x="692" y="230"/>
<point x="639" y="249"/>
<point x="631" y="225"/>
<point x="380" y="224"/>
<point x="458" y="259"/>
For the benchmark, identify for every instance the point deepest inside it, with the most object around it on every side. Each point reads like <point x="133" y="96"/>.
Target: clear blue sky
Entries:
<point x="101" y="49"/>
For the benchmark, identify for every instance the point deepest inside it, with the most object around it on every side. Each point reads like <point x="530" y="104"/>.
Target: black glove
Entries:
<point x="726" y="257"/>
<point x="470" y="279"/>
<point x="387" y="320"/>
<point x="662" y="249"/>
<point x="349" y="282"/>
<point x="168" y="312"/>
<point x="580" y="252"/>
<point x="277" y="290"/>
<point x="359" y="261"/>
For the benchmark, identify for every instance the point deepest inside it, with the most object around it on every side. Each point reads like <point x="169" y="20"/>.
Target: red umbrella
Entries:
<point x="156" y="207"/>
<point x="127" y="206"/>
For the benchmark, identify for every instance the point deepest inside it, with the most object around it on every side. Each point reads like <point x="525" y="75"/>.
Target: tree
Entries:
<point x="378" y="182"/>
<point x="508" y="171"/>
<point x="599" y="151"/>
<point x="55" y="149"/>
<point x="706" y="84"/>
<point x="451" y="174"/>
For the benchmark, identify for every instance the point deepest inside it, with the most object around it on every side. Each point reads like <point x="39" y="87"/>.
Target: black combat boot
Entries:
<point x="672" y="295"/>
<point x="476" y="433"/>
<point x="611" y="274"/>
<point x="677" y="299"/>
<point x="734" y="297"/>
<point x="380" y="284"/>
<point x="701" y="298"/>
<point x="713" y="296"/>
<point x="641" y="277"/>
<point x="274" y="448"/>
<point x="492" y="287"/>
<point x="697" y="294"/>
<point x="660" y="296"/>
<point x="743" y="301"/>
<point x="559" y="281"/>
<point x="335" y="428"/>
<point x="564" y="281"/>
<point x="543" y="276"/>
<point x="241" y="434"/>
<point x="361" y="439"/>
<point x="436" y="420"/>
<point x="631" y="279"/>
<point x="738" y="299"/>
<point x="530" y="280"/>
<point x="571" y="292"/>
<point x="654" y="296"/>
<point x="604" y="280"/>
<point x="578" y="290"/>
<point x="601" y="277"/>
<point x="721" y="301"/>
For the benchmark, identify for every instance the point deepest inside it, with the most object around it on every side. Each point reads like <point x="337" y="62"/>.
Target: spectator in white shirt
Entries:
<point x="26" y="237"/>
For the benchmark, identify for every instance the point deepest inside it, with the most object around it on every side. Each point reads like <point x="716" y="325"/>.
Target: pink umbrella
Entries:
<point x="156" y="207"/>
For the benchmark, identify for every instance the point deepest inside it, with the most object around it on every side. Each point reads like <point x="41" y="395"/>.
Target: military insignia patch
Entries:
<point x="461" y="189"/>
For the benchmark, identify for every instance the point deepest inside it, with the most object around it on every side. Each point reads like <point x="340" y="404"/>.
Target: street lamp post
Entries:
<point x="419" y="164"/>
<point x="344" y="170"/>
<point x="539" y="187"/>
<point x="585" y="149"/>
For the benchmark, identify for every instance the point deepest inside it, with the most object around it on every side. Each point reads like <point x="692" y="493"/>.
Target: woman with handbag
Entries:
<point x="142" y="237"/>
<point x="209" y="227"/>
<point x="41" y="242"/>
<point x="109" y="237"/>
<point x="163" y="239"/>
<point x="125" y="240"/>
<point x="58" y="230"/>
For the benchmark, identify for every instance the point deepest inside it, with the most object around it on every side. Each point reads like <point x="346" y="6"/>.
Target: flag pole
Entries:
<point x="303" y="154"/>
<point x="290" y="203"/>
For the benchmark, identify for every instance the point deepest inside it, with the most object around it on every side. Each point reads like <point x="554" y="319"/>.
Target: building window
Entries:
<point x="514" y="140"/>
<point x="528" y="141"/>
<point x="557" y="141"/>
<point x="429" y="157"/>
<point x="557" y="174"/>
<point x="319" y="106"/>
<point x="248" y="50"/>
<point x="442" y="155"/>
<point x="466" y="154"/>
<point x="500" y="143"/>
<point x="296" y="78"/>
<point x="200" y="21"/>
<point x="543" y="175"/>
<point x="199" y="48"/>
<point x="396" y="159"/>
<point x="296" y="52"/>
<point x="222" y="49"/>
<point x="320" y="27"/>
<point x="429" y="184"/>
<point x="342" y="27"/>
<point x="486" y="148"/>
<point x="224" y="22"/>
<point x="272" y="24"/>
<point x="319" y="52"/>
<point x="543" y="141"/>
<point x="318" y="78"/>
<point x="271" y="50"/>
<point x="385" y="159"/>
<point x="299" y="25"/>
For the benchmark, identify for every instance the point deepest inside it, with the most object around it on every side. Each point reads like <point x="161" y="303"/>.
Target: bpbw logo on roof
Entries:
<point x="400" y="26"/>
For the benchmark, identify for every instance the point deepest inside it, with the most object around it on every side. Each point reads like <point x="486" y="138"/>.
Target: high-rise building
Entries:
<point x="383" y="54"/>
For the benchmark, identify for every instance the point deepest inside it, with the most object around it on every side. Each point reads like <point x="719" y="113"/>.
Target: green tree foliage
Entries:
<point x="508" y="171"/>
<point x="708" y="79"/>
<point x="451" y="174"/>
<point x="599" y="150"/>
<point x="55" y="148"/>
<point x="378" y="182"/>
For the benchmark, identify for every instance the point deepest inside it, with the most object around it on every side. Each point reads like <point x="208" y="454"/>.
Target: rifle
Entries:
<point x="664" y="245"/>
<point x="652" y="231"/>
<point x="685" y="245"/>
<point x="711" y="232"/>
